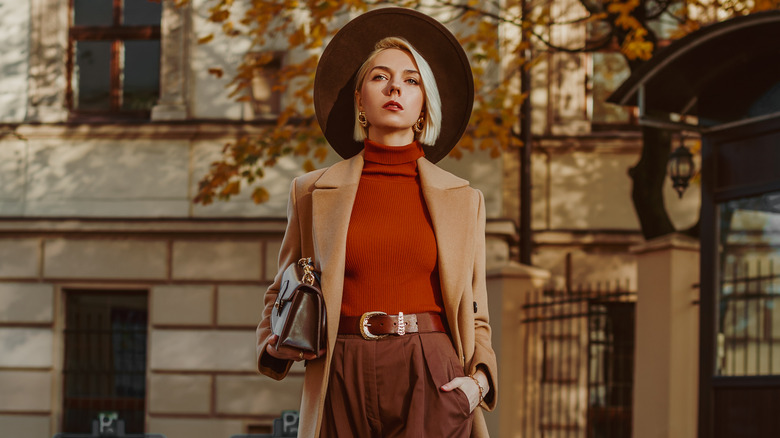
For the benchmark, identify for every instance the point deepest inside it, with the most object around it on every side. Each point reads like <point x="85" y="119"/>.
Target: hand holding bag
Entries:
<point x="298" y="317"/>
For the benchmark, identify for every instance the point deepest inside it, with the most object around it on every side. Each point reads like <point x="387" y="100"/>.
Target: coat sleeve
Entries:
<point x="484" y="357"/>
<point x="290" y="252"/>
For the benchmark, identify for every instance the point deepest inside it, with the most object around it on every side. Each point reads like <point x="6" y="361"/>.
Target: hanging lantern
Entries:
<point x="681" y="168"/>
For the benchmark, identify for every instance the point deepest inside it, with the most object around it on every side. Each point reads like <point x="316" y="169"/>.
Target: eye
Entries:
<point x="413" y="81"/>
<point x="378" y="77"/>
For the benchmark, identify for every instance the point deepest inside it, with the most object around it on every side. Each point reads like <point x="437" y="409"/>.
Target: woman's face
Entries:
<point x="392" y="94"/>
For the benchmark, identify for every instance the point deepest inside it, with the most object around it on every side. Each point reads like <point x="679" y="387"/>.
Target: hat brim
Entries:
<point x="334" y="82"/>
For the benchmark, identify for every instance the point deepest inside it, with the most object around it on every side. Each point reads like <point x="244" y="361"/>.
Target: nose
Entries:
<point x="393" y="87"/>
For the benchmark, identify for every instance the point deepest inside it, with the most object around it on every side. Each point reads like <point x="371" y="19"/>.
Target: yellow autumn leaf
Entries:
<point x="220" y="15"/>
<point x="321" y="153"/>
<point x="232" y="188"/>
<point x="296" y="38"/>
<point x="260" y="195"/>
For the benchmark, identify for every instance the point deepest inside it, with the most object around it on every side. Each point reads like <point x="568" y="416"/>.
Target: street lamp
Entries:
<point x="681" y="167"/>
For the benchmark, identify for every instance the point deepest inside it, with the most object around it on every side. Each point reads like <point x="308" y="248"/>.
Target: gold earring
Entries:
<point x="418" y="127"/>
<point x="362" y="119"/>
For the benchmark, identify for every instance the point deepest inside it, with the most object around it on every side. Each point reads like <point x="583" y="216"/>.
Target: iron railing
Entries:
<point x="578" y="362"/>
<point x="105" y="359"/>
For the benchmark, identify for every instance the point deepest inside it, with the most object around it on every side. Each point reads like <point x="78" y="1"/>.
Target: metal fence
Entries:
<point x="105" y="359"/>
<point x="579" y="361"/>
<point x="749" y="328"/>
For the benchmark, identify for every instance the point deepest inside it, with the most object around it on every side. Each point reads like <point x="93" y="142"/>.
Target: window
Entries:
<point x="265" y="98"/>
<point x="114" y="62"/>
<point x="105" y="358"/>
<point x="607" y="71"/>
<point x="749" y="295"/>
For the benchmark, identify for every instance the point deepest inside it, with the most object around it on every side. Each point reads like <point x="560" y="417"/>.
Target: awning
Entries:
<point x="717" y="73"/>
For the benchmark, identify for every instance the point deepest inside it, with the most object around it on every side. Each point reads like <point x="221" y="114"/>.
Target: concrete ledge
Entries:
<point x="21" y="258"/>
<point x="518" y="270"/>
<point x="257" y="395"/>
<point x="26" y="302"/>
<point x="194" y="427"/>
<point x="202" y="350"/>
<point x="179" y="394"/>
<point x="26" y="347"/>
<point x="114" y="258"/>
<point x="183" y="305"/>
<point x="144" y="226"/>
<point x="217" y="260"/>
<point x="25" y="391"/>
<point x="239" y="305"/>
<point x="25" y="426"/>
<point x="669" y="241"/>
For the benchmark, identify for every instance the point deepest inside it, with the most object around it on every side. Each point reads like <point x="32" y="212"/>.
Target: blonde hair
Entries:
<point x="432" y="106"/>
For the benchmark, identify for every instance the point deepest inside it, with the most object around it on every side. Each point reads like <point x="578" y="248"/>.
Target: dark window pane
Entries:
<point x="142" y="13"/>
<point x="749" y="298"/>
<point x="92" y="77"/>
<point x="609" y="71"/>
<point x="142" y="75"/>
<point x="93" y="12"/>
<point x="105" y="358"/>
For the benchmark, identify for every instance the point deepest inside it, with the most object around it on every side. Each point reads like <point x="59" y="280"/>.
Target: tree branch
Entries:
<point x="663" y="6"/>
<point x="590" y="46"/>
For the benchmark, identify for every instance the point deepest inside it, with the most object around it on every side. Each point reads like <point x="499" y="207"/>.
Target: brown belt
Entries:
<point x="375" y="325"/>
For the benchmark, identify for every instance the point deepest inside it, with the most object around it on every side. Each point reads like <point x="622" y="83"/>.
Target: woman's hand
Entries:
<point x="287" y="353"/>
<point x="469" y="387"/>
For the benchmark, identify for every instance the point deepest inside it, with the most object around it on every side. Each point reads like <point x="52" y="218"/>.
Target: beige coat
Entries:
<point x="318" y="216"/>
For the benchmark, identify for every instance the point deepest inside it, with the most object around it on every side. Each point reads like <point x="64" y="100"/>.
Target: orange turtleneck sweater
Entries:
<point x="391" y="258"/>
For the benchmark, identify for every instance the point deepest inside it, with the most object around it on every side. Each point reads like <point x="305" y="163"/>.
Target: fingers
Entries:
<point x="454" y="383"/>
<point x="468" y="387"/>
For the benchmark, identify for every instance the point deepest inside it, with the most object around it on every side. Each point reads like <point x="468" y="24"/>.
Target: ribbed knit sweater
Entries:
<point x="391" y="257"/>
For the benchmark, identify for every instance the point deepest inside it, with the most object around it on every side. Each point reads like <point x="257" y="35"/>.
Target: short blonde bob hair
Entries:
<point x="432" y="104"/>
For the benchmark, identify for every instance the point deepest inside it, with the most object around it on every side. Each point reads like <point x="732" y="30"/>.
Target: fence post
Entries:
<point x="507" y="287"/>
<point x="667" y="338"/>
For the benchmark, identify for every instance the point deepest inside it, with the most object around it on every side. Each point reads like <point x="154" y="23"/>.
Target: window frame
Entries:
<point x="68" y="402"/>
<point x="116" y="34"/>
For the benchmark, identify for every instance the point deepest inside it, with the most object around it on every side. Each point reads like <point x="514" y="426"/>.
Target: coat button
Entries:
<point x="475" y="307"/>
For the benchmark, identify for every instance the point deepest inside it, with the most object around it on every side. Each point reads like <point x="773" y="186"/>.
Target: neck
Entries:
<point x="391" y="137"/>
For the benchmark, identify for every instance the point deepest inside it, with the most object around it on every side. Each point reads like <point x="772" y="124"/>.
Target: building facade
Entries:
<point x="118" y="293"/>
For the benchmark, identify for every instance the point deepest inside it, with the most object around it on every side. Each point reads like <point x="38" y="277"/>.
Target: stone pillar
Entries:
<point x="667" y="338"/>
<point x="48" y="77"/>
<point x="173" y="62"/>
<point x="507" y="287"/>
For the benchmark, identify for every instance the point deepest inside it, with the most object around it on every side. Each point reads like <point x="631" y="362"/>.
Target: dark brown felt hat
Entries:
<point x="334" y="83"/>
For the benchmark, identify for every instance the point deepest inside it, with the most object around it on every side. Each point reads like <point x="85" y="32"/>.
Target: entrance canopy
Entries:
<point x="722" y="73"/>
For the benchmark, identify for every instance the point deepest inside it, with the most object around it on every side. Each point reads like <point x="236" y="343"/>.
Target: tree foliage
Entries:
<point x="496" y="59"/>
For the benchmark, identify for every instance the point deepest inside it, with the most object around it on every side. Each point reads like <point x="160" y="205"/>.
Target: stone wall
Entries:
<point x="205" y="283"/>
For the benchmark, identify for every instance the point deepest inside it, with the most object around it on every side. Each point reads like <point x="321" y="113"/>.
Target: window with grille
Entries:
<point x="749" y="293"/>
<point x="114" y="57"/>
<point x="105" y="358"/>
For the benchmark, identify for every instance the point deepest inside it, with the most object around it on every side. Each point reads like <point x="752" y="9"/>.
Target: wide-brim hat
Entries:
<point x="334" y="83"/>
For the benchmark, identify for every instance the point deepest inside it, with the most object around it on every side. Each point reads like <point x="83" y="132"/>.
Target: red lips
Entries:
<point x="393" y="105"/>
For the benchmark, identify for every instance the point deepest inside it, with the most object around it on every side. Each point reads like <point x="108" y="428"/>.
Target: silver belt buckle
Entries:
<point x="364" y="325"/>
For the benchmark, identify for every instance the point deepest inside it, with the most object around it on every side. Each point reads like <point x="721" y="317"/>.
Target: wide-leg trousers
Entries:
<point x="391" y="388"/>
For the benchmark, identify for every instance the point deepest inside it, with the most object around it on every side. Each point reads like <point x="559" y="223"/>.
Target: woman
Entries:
<point x="400" y="243"/>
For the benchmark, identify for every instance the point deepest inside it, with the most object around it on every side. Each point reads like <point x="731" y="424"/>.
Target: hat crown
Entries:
<point x="334" y="83"/>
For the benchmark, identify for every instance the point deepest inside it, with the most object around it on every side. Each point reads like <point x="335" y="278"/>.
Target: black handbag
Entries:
<point x="298" y="317"/>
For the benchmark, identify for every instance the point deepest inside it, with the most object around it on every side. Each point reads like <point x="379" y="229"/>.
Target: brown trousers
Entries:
<point x="390" y="388"/>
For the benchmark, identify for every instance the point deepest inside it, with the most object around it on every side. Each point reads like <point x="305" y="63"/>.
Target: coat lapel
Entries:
<point x="332" y="200"/>
<point x="448" y="202"/>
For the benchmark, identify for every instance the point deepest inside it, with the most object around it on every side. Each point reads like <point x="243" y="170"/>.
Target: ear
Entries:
<point x="358" y="100"/>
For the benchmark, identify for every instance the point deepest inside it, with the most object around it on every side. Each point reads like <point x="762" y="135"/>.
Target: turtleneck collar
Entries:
<point x="383" y="154"/>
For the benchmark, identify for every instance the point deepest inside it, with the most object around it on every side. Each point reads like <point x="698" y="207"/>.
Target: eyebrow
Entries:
<point x="389" y="70"/>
